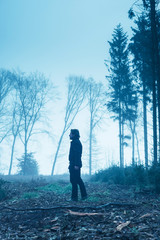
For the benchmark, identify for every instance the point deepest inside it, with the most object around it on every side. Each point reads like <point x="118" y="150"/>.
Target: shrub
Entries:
<point x="136" y="175"/>
<point x="112" y="175"/>
<point x="2" y="192"/>
<point x="28" y="166"/>
<point x="154" y="177"/>
<point x="129" y="175"/>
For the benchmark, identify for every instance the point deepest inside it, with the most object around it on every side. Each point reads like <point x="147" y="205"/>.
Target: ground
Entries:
<point x="40" y="209"/>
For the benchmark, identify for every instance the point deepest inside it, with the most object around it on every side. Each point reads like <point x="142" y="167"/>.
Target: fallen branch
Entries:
<point x="117" y="204"/>
<point x="71" y="207"/>
<point x="83" y="214"/>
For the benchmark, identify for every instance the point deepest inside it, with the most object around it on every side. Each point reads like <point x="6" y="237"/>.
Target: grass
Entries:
<point x="57" y="188"/>
<point x="93" y="198"/>
<point x="107" y="193"/>
<point x="30" y="195"/>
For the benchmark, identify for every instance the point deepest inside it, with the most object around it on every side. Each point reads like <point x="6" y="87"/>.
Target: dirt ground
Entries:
<point x="38" y="209"/>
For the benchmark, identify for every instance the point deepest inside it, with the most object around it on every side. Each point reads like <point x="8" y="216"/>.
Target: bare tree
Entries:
<point x="5" y="89"/>
<point x="77" y="89"/>
<point x="33" y="93"/>
<point x="15" y="126"/>
<point x="96" y="103"/>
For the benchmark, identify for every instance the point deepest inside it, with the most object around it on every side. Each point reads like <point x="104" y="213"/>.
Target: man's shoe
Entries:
<point x="74" y="199"/>
<point x="84" y="197"/>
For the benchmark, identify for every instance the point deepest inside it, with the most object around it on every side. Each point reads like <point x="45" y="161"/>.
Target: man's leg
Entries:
<point x="81" y="185"/>
<point x="74" y="192"/>
<point x="73" y="180"/>
<point x="82" y="189"/>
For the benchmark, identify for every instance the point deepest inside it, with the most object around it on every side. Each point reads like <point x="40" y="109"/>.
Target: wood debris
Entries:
<point x="122" y="225"/>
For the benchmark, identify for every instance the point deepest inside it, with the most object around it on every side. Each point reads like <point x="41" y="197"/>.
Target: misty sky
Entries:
<point x="60" y="37"/>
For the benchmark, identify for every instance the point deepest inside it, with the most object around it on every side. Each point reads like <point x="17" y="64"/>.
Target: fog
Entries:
<point x="61" y="38"/>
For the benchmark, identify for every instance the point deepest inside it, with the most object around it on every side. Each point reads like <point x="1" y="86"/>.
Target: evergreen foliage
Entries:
<point x="142" y="55"/>
<point x="28" y="166"/>
<point x="119" y="77"/>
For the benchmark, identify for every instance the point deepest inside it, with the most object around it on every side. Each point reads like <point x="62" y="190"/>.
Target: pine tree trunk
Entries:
<point x="138" y="152"/>
<point x="11" y="162"/>
<point x="120" y="137"/>
<point x="154" y="93"/>
<point x="145" y="125"/>
<point x="157" y="61"/>
<point x="25" y="148"/>
<point x="133" y="143"/>
<point x="122" y="144"/>
<point x="90" y="148"/>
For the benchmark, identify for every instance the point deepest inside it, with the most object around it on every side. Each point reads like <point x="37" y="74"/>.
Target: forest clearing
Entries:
<point x="91" y="68"/>
<point x="41" y="209"/>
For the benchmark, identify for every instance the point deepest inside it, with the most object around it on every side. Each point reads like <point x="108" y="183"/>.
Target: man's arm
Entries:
<point x="77" y="150"/>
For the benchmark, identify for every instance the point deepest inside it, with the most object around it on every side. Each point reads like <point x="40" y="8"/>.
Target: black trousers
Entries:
<point x="75" y="179"/>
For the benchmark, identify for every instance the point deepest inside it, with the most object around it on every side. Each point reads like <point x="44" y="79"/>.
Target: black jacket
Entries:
<point x="75" y="153"/>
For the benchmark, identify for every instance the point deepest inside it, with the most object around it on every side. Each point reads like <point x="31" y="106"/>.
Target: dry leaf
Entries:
<point x="122" y="225"/>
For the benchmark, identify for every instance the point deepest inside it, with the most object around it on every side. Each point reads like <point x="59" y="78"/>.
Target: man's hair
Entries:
<point x="75" y="132"/>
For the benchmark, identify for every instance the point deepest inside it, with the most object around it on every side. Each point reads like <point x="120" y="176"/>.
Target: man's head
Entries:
<point x="74" y="134"/>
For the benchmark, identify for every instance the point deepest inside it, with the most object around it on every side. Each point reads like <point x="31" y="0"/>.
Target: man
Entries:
<point x="75" y="164"/>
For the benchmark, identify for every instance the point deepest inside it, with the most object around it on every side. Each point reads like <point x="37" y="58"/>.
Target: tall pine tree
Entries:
<point x="120" y="85"/>
<point x="142" y="68"/>
<point x="152" y="9"/>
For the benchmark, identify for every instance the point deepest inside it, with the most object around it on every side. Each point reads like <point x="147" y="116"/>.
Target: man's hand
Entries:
<point x="76" y="167"/>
